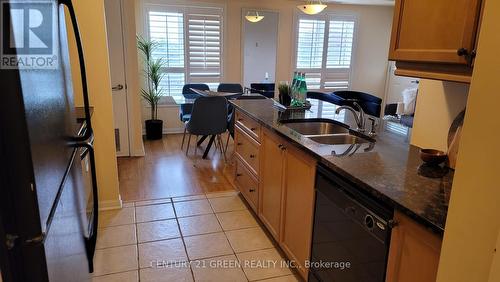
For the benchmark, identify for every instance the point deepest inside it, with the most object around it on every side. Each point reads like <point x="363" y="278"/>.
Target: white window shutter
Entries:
<point x="310" y="44"/>
<point x="340" y="40"/>
<point x="204" y="48"/>
<point x="167" y="30"/>
<point x="334" y="80"/>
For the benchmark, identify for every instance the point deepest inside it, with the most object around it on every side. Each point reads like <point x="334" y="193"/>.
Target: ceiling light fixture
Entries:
<point x="254" y="17"/>
<point x="312" y="7"/>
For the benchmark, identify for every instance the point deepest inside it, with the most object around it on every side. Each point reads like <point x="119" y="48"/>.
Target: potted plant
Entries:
<point x="153" y="91"/>
<point x="284" y="94"/>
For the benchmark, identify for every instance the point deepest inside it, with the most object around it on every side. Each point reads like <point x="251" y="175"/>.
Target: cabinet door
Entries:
<point x="433" y="30"/>
<point x="298" y="207"/>
<point x="271" y="182"/>
<point x="414" y="252"/>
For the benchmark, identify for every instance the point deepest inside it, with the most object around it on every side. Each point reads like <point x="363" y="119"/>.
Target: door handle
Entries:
<point x="117" y="88"/>
<point x="83" y="72"/>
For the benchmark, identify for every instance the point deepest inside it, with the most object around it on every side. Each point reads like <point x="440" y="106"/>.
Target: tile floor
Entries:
<point x="210" y="237"/>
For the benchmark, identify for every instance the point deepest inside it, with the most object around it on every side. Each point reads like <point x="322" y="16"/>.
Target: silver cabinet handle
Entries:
<point x="117" y="88"/>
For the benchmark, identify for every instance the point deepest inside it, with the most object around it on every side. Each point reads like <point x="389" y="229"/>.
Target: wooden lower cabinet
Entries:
<point x="247" y="183"/>
<point x="286" y="203"/>
<point x="298" y="207"/>
<point x="271" y="182"/>
<point x="414" y="252"/>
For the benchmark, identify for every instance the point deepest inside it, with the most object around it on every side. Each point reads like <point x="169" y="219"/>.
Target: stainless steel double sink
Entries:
<point x="326" y="131"/>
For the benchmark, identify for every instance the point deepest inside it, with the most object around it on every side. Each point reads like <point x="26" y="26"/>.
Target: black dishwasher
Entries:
<point x="351" y="232"/>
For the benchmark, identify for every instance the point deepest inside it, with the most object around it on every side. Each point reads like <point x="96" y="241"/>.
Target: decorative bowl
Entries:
<point x="432" y="156"/>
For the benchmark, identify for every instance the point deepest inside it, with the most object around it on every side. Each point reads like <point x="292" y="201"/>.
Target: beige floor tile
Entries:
<point x="116" y="217"/>
<point x="161" y="253"/>
<point x="237" y="220"/>
<point x="218" y="269"/>
<point x="157" y="230"/>
<point x="129" y="276"/>
<point x="114" y="260"/>
<point x="167" y="273"/>
<point x="208" y="245"/>
<point x="127" y="204"/>
<point x="115" y="236"/>
<point x="154" y="212"/>
<point x="222" y="194"/>
<point x="225" y="204"/>
<point x="152" y="202"/>
<point x="188" y="198"/>
<point x="200" y="224"/>
<point x="191" y="208"/>
<point x="287" y="278"/>
<point x="251" y="239"/>
<point x="263" y="264"/>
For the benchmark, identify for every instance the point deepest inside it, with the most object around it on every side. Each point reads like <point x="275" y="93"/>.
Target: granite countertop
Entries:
<point x="390" y="169"/>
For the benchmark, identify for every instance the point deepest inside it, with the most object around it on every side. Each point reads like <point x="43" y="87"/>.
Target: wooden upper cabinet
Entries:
<point x="430" y="33"/>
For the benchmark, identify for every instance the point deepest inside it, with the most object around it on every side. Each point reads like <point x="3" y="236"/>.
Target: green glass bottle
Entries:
<point x="295" y="85"/>
<point x="303" y="89"/>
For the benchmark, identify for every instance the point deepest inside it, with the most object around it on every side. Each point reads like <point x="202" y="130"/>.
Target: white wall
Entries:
<point x="396" y="85"/>
<point x="438" y="104"/>
<point x="370" y="55"/>
<point x="260" y="45"/>
<point x="91" y="19"/>
<point x="470" y="245"/>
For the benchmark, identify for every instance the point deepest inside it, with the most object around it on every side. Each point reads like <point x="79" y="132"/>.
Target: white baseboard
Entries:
<point x="111" y="204"/>
<point x="173" y="130"/>
<point x="168" y="131"/>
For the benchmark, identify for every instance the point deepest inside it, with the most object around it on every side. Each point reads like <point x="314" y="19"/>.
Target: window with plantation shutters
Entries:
<point x="190" y="43"/>
<point x="324" y="51"/>
<point x="340" y="39"/>
<point x="167" y="30"/>
<point x="310" y="44"/>
<point x="204" y="48"/>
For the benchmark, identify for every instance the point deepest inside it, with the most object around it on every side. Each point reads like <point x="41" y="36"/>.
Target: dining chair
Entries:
<point x="209" y="117"/>
<point x="186" y="108"/>
<point x="266" y="89"/>
<point x="230" y="88"/>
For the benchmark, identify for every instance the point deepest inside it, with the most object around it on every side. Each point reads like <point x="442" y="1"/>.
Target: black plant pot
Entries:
<point x="285" y="99"/>
<point x="154" y="129"/>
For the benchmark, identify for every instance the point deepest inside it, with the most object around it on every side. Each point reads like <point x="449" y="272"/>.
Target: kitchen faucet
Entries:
<point x="359" y="118"/>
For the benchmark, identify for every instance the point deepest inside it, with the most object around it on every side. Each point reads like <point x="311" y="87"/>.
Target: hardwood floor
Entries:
<point x="166" y="171"/>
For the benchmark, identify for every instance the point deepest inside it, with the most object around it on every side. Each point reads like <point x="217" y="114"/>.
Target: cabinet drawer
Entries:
<point x="247" y="184"/>
<point x="247" y="149"/>
<point x="251" y="126"/>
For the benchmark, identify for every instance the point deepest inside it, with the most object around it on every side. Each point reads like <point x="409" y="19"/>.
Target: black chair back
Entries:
<point x="230" y="88"/>
<point x="266" y="89"/>
<point x="190" y="94"/>
<point x="209" y="116"/>
<point x="371" y="104"/>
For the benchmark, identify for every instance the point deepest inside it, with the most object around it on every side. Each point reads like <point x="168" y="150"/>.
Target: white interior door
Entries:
<point x="114" y="29"/>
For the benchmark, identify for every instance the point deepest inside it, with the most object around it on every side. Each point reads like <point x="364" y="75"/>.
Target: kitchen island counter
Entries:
<point x="389" y="169"/>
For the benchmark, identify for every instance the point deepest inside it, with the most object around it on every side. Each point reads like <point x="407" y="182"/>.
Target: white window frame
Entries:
<point x="186" y="10"/>
<point x="327" y="17"/>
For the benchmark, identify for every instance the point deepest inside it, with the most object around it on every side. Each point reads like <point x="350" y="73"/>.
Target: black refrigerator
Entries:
<point x="48" y="211"/>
